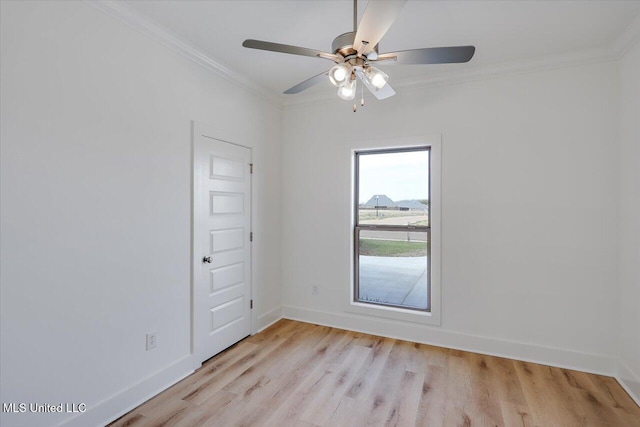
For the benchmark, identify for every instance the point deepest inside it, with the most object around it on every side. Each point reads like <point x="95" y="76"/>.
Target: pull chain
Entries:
<point x="355" y="107"/>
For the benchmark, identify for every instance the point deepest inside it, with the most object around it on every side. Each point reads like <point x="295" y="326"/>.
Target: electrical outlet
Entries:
<point x="152" y="340"/>
<point x="314" y="289"/>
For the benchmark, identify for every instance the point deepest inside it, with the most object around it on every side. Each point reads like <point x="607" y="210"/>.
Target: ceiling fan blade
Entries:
<point x="430" y="55"/>
<point x="293" y="50"/>
<point x="376" y="21"/>
<point x="383" y="93"/>
<point x="307" y="83"/>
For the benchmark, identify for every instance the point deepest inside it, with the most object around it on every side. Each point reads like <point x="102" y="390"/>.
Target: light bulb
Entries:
<point x="376" y="77"/>
<point x="378" y="81"/>
<point x="339" y="74"/>
<point x="348" y="90"/>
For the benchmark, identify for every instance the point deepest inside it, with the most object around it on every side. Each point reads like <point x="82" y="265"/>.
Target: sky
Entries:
<point x="400" y="176"/>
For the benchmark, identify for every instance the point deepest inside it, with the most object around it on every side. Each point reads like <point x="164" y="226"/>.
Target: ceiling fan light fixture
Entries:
<point x="354" y="51"/>
<point x="348" y="90"/>
<point x="376" y="77"/>
<point x="340" y="74"/>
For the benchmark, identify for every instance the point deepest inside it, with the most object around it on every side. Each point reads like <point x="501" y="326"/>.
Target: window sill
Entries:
<point x="395" y="313"/>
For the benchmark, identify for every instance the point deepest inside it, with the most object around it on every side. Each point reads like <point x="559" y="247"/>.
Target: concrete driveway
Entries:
<point x="394" y="280"/>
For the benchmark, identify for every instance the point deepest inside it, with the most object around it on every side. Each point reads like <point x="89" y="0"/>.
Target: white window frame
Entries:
<point x="432" y="317"/>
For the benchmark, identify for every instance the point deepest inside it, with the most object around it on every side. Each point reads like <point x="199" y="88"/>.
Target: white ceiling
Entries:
<point x="502" y="31"/>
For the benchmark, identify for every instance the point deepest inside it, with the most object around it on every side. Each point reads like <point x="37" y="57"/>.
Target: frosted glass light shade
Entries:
<point x="376" y="77"/>
<point x="340" y="74"/>
<point x="348" y="90"/>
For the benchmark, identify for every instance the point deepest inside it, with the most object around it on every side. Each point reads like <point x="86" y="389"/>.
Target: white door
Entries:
<point x="221" y="245"/>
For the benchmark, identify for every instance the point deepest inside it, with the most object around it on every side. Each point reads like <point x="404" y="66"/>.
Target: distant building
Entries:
<point x="382" y="201"/>
<point x="412" y="204"/>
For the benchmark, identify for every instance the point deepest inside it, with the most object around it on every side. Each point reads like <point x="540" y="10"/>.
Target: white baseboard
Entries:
<point x="593" y="363"/>
<point x="119" y="404"/>
<point x="629" y="380"/>
<point x="269" y="319"/>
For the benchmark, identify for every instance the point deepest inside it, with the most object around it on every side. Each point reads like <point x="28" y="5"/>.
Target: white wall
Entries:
<point x="95" y="209"/>
<point x="96" y="206"/>
<point x="629" y="228"/>
<point x="529" y="205"/>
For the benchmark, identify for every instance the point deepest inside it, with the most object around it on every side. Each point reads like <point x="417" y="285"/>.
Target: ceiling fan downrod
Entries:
<point x="357" y="52"/>
<point x="355" y="15"/>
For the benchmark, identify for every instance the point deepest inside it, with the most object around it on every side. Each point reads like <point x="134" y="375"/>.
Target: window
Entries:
<point x="392" y="232"/>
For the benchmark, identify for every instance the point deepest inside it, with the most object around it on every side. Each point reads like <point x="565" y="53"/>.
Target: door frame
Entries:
<point x="201" y="130"/>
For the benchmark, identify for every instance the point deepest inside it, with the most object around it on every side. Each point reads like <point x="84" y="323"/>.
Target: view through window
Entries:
<point x="392" y="232"/>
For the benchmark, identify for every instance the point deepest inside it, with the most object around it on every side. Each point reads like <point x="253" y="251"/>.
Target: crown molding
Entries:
<point x="629" y="37"/>
<point x="155" y="31"/>
<point x="118" y="9"/>
<point x="510" y="68"/>
<point x="483" y="72"/>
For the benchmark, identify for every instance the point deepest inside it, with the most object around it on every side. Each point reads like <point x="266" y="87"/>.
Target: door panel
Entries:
<point x="231" y="311"/>
<point x="227" y="203"/>
<point x="227" y="240"/>
<point x="225" y="277"/>
<point x="224" y="168"/>
<point x="222" y="225"/>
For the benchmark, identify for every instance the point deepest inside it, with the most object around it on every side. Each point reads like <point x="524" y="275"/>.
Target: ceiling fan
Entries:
<point x="356" y="52"/>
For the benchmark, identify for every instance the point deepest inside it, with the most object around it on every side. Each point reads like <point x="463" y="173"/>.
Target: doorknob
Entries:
<point x="207" y="259"/>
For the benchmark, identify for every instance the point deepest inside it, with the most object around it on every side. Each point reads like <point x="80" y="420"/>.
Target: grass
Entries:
<point x="366" y="298"/>
<point x="392" y="248"/>
<point x="370" y="214"/>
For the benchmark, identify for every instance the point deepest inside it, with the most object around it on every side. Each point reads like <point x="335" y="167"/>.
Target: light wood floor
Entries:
<point x="299" y="374"/>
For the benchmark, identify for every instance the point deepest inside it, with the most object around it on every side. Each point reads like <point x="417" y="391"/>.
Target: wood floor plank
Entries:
<point x="334" y="386"/>
<point x="250" y="410"/>
<point x="276" y="330"/>
<point x="486" y="396"/>
<point x="435" y="356"/>
<point x="300" y="374"/>
<point x="370" y="371"/>
<point x="433" y="398"/>
<point x="211" y="384"/>
<point x="213" y="366"/>
<point x="505" y="379"/>
<point x="350" y="409"/>
<point x="165" y="411"/>
<point x="548" y="399"/>
<point x="381" y="399"/>
<point x="413" y="359"/>
<point x="306" y="379"/>
<point x="616" y="398"/>
<point x="206" y="414"/>
<point x="278" y="363"/>
<point x="130" y="419"/>
<point x="515" y="415"/>
<point x="459" y="410"/>
<point x="250" y="406"/>
<point x="404" y="409"/>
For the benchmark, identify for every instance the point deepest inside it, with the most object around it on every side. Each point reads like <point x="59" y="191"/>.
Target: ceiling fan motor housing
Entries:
<point x="355" y="52"/>
<point x="343" y="45"/>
